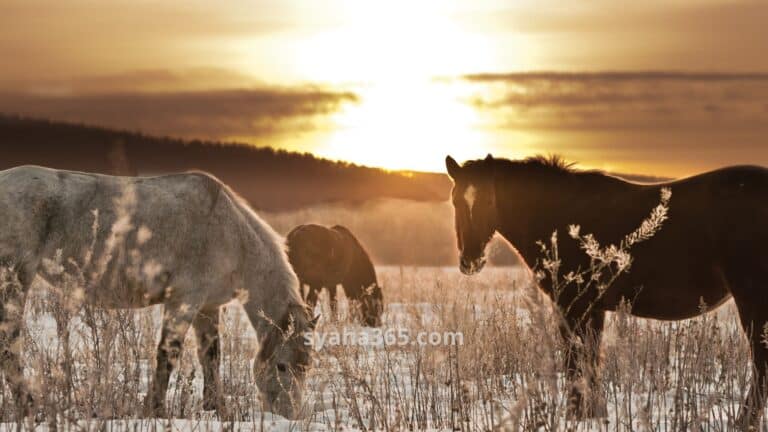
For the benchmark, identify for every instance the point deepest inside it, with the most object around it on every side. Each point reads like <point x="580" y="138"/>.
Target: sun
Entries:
<point x="403" y="59"/>
<point x="405" y="125"/>
<point x="391" y="52"/>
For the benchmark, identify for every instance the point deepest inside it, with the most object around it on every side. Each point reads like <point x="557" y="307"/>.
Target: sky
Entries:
<point x="666" y="88"/>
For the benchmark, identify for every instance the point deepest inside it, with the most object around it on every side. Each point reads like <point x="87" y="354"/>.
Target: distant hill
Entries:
<point x="381" y="207"/>
<point x="269" y="179"/>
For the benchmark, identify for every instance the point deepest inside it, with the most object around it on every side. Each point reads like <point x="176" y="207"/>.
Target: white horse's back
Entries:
<point x="143" y="233"/>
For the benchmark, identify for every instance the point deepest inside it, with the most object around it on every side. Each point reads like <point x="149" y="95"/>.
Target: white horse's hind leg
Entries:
<point x="206" y="326"/>
<point x="13" y="289"/>
<point x="177" y="318"/>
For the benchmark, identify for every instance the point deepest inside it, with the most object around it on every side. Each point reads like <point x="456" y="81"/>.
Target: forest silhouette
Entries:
<point x="268" y="179"/>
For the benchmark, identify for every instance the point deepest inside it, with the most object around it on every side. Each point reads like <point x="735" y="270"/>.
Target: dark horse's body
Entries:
<point x="712" y="247"/>
<point x="325" y="257"/>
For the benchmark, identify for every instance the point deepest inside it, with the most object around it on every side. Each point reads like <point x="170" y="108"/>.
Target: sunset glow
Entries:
<point x="435" y="118"/>
<point x="399" y="84"/>
<point x="391" y="43"/>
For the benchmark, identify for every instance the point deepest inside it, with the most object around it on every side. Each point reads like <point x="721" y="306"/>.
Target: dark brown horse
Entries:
<point x="711" y="248"/>
<point x="325" y="257"/>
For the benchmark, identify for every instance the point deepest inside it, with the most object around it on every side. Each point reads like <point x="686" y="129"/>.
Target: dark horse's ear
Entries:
<point x="313" y="322"/>
<point x="452" y="167"/>
<point x="489" y="157"/>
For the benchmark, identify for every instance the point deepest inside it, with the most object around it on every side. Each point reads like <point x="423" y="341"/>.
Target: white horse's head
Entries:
<point x="281" y="365"/>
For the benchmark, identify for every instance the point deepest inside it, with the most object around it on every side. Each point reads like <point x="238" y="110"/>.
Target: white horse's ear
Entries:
<point x="452" y="167"/>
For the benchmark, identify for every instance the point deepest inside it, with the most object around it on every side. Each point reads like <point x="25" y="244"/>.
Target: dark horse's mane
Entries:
<point x="556" y="165"/>
<point x="539" y="166"/>
<point x="553" y="163"/>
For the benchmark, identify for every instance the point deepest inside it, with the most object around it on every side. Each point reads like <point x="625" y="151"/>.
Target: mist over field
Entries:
<point x="395" y="232"/>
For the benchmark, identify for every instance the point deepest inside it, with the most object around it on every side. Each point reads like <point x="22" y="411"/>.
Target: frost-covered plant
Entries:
<point x="606" y="263"/>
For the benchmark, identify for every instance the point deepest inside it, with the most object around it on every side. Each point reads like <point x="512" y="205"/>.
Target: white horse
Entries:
<point x="185" y="241"/>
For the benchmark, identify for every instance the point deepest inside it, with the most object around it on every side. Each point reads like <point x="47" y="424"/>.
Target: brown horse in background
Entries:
<point x="712" y="247"/>
<point x="325" y="257"/>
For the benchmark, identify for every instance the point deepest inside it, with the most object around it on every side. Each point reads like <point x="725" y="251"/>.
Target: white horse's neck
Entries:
<point x="268" y="300"/>
<point x="271" y="287"/>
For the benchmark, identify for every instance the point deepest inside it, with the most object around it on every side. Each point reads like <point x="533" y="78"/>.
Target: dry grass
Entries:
<point x="89" y="367"/>
<point x="506" y="375"/>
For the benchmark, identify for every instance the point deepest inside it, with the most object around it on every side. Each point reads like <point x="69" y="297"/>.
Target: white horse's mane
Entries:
<point x="270" y="238"/>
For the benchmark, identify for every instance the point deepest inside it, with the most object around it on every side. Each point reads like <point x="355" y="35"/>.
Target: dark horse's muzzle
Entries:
<point x="471" y="266"/>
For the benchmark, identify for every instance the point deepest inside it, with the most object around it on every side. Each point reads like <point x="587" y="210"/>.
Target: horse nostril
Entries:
<point x="281" y="367"/>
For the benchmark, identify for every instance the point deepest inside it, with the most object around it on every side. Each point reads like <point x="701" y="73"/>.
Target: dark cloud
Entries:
<point x="42" y="39"/>
<point x="623" y="100"/>
<point x="739" y="16"/>
<point x="616" y="76"/>
<point x="141" y="80"/>
<point x="200" y="114"/>
<point x="728" y="35"/>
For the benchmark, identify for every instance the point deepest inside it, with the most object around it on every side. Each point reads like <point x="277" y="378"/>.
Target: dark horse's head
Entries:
<point x="371" y="306"/>
<point x="474" y="203"/>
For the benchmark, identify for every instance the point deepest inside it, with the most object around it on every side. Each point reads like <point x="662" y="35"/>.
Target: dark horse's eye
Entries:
<point x="281" y="367"/>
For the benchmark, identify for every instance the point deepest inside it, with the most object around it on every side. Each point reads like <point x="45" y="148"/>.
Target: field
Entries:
<point x="504" y="375"/>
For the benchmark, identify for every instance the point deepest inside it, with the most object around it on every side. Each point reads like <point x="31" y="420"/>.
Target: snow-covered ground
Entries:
<point x="504" y="375"/>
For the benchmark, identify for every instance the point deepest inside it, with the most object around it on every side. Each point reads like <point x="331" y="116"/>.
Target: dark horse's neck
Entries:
<point x="533" y="204"/>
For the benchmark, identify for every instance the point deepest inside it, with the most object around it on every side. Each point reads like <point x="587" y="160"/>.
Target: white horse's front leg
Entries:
<point x="177" y="318"/>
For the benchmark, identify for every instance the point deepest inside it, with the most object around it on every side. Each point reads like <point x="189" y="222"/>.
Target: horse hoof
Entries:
<point x="216" y="405"/>
<point x="747" y="423"/>
<point x="25" y="405"/>
<point x="153" y="408"/>
<point x="599" y="411"/>
<point x="578" y="412"/>
<point x="210" y="406"/>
